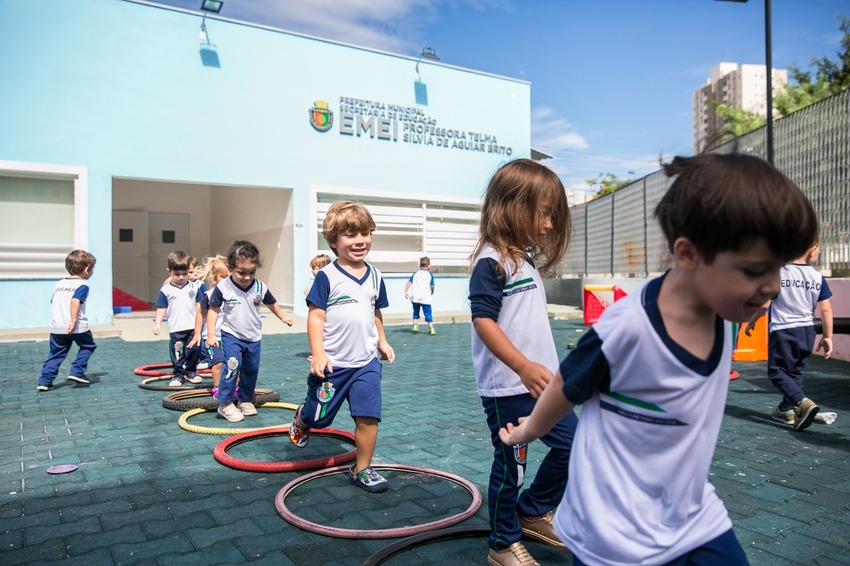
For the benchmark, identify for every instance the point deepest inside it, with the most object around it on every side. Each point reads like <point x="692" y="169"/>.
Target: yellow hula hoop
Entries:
<point x="182" y="421"/>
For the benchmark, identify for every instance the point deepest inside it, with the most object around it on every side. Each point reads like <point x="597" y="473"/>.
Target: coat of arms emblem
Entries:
<point x="321" y="117"/>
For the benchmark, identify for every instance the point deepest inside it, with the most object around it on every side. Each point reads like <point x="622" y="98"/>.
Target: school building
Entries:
<point x="132" y="129"/>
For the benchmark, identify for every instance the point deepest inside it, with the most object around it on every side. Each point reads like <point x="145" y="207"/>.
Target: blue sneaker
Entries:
<point x="368" y="479"/>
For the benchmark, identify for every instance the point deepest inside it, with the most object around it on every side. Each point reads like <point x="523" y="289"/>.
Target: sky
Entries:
<point x="611" y="80"/>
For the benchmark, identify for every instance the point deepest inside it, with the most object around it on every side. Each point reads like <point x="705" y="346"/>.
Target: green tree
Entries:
<point x="605" y="183"/>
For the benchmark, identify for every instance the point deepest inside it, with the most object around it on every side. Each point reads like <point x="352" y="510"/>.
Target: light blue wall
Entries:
<point x="120" y="88"/>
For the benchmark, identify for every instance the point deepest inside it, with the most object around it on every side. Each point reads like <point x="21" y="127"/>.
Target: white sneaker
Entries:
<point x="194" y="378"/>
<point x="230" y="412"/>
<point x="203" y="365"/>
<point x="176" y="382"/>
<point x="247" y="408"/>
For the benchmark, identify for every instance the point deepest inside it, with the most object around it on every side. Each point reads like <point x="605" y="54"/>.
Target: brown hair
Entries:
<point x="424" y="262"/>
<point x="722" y="201"/>
<point x="511" y="209"/>
<point x="78" y="261"/>
<point x="178" y="261"/>
<point x="343" y="216"/>
<point x="320" y="260"/>
<point x="243" y="250"/>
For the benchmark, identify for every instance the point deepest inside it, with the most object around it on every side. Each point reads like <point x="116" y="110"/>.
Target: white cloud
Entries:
<point x="552" y="134"/>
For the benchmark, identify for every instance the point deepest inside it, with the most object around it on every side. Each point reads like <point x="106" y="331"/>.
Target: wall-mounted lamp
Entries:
<point x="427" y="53"/>
<point x="213" y="6"/>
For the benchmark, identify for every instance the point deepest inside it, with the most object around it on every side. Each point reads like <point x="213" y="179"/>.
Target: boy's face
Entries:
<point x="353" y="246"/>
<point x="737" y="284"/>
<point x="179" y="276"/>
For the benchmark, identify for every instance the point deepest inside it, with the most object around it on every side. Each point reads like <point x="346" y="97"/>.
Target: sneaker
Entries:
<point x="415" y="328"/>
<point x="230" y="412"/>
<point x="44" y="387"/>
<point x="298" y="436"/>
<point x="786" y="417"/>
<point x="202" y="365"/>
<point x="368" y="479"/>
<point x="431" y="331"/>
<point x="175" y="382"/>
<point x="247" y="408"/>
<point x="194" y="378"/>
<point x="541" y="529"/>
<point x="514" y="555"/>
<point x="79" y="379"/>
<point x="805" y="414"/>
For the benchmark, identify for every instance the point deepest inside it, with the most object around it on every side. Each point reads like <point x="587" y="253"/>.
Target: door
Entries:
<point x="130" y="253"/>
<point x="167" y="232"/>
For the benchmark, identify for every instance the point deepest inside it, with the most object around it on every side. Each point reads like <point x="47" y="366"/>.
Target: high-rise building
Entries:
<point x="739" y="86"/>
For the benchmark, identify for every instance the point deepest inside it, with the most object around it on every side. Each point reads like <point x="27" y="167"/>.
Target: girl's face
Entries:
<point x="244" y="272"/>
<point x="543" y="221"/>
<point x="220" y="274"/>
<point x="314" y="268"/>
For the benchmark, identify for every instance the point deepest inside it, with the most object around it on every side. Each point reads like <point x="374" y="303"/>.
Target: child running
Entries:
<point x="178" y="300"/>
<point x="68" y="323"/>
<point x="653" y="373"/>
<point x="237" y="300"/>
<point x="213" y="270"/>
<point x="346" y="332"/>
<point x="792" y="336"/>
<point x="419" y="289"/>
<point x="524" y="231"/>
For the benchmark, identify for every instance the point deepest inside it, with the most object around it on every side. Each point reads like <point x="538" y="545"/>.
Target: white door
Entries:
<point x="168" y="232"/>
<point x="130" y="252"/>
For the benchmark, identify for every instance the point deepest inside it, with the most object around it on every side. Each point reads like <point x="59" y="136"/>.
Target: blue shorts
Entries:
<point x="361" y="387"/>
<point x="214" y="355"/>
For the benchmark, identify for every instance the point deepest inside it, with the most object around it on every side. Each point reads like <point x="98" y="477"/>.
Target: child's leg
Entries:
<point x="786" y="349"/>
<point x="364" y="401"/>
<point x="509" y="464"/>
<point x="416" y="307"/>
<point x="215" y="357"/>
<point x="193" y="354"/>
<point x="176" y="349"/>
<point x="365" y="438"/>
<point x="85" y="341"/>
<point x="231" y="348"/>
<point x="60" y="345"/>
<point x="550" y="481"/>
<point x="249" y="371"/>
<point x="426" y="310"/>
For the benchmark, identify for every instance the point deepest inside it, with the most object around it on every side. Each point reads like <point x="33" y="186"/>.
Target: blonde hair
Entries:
<point x="509" y="216"/>
<point x="320" y="261"/>
<point x="211" y="266"/>
<point x="344" y="216"/>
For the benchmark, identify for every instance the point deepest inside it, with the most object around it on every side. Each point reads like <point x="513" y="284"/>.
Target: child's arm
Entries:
<point x="549" y="409"/>
<point x="278" y="312"/>
<point x="199" y="324"/>
<point x="387" y="352"/>
<point x="753" y="319"/>
<point x="406" y="287"/>
<point x="825" y="343"/>
<point x="212" y="319"/>
<point x="75" y="312"/>
<point x="316" y="335"/>
<point x="534" y="376"/>
<point x="160" y="314"/>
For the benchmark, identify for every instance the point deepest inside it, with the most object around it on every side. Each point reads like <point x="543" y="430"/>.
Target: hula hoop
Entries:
<point x="147" y="382"/>
<point x="228" y="431"/>
<point x="280" y="505"/>
<point x="160" y="369"/>
<point x="223" y="457"/>
<point x="202" y="399"/>
<point x="406" y="543"/>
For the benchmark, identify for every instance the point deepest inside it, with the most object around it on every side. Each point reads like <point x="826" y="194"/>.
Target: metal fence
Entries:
<point x="617" y="236"/>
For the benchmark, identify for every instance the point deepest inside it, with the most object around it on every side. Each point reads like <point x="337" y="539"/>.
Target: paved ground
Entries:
<point x="149" y="492"/>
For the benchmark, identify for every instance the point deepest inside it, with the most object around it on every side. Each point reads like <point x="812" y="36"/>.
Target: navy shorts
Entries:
<point x="361" y="387"/>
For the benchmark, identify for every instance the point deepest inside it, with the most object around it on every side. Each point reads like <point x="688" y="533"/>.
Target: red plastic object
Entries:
<point x="595" y="304"/>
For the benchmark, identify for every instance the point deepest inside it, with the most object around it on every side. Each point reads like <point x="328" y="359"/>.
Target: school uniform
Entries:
<point x="517" y="302"/>
<point x="650" y="417"/>
<point x="419" y="292"/>
<point x="350" y="341"/>
<point x="241" y="332"/>
<point x="65" y="291"/>
<point x="180" y="304"/>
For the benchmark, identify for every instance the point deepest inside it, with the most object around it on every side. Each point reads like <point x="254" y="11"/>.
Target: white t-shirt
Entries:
<point x="420" y="287"/>
<point x="64" y="292"/>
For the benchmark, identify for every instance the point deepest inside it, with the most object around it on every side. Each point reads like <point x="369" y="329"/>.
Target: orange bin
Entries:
<point x="752" y="348"/>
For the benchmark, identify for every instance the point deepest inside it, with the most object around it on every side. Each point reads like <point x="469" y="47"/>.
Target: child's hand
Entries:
<point x="212" y="341"/>
<point x="749" y="328"/>
<point x="510" y="434"/>
<point x="156" y="329"/>
<point x="535" y="377"/>
<point x="287" y="320"/>
<point x="387" y="352"/>
<point x="320" y="365"/>
<point x="71" y="326"/>
<point x="825" y="344"/>
<point x="195" y="341"/>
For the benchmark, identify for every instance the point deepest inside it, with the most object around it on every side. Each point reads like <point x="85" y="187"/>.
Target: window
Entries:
<point x="409" y="227"/>
<point x="125" y="234"/>
<point x="44" y="218"/>
<point x="169" y="236"/>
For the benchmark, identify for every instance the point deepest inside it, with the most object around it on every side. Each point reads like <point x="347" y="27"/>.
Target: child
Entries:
<point x="653" y="373"/>
<point x="345" y="329"/>
<point x="316" y="264"/>
<point x="193" y="265"/>
<point x="68" y="323"/>
<point x="421" y="287"/>
<point x="178" y="300"/>
<point x="213" y="270"/>
<point x="237" y="300"/>
<point x="524" y="231"/>
<point x="792" y="336"/>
